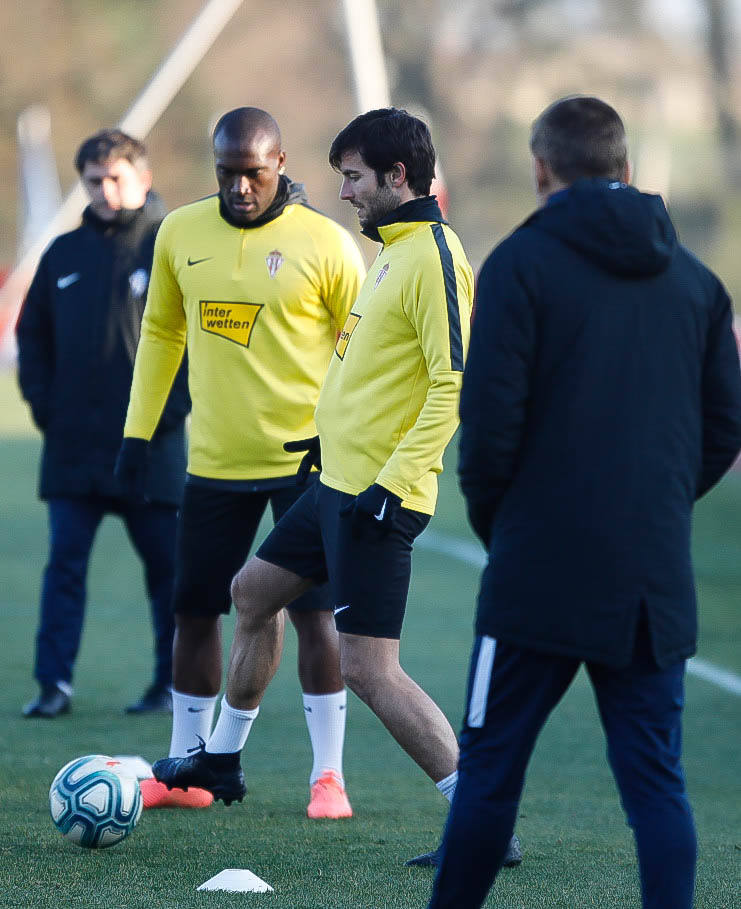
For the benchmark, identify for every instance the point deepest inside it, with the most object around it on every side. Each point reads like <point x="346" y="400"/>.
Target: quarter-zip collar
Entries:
<point x="289" y="193"/>
<point x="424" y="208"/>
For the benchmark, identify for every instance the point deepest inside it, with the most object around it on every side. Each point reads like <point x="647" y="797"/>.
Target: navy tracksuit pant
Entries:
<point x="73" y="523"/>
<point x="511" y="692"/>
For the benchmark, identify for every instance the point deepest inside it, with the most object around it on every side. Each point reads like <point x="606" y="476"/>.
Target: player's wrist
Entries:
<point x="373" y="512"/>
<point x="132" y="467"/>
<point x="375" y="495"/>
<point x="134" y="444"/>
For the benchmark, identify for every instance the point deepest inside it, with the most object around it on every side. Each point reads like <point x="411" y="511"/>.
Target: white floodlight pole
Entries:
<point x="369" y="69"/>
<point x="176" y="69"/>
<point x="41" y="194"/>
<point x="139" y="119"/>
<point x="366" y="54"/>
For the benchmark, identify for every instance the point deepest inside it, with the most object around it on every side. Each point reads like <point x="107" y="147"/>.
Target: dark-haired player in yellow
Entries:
<point x="256" y="284"/>
<point x="387" y="410"/>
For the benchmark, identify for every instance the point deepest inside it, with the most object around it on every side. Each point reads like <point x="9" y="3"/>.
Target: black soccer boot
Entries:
<point x="219" y="774"/>
<point x="433" y="859"/>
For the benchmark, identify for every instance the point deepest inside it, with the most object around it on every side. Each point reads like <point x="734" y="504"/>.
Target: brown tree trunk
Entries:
<point x="719" y="43"/>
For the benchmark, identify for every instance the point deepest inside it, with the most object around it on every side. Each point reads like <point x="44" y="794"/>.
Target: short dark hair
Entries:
<point x="384" y="137"/>
<point x="243" y="123"/>
<point x="110" y="145"/>
<point x="580" y="136"/>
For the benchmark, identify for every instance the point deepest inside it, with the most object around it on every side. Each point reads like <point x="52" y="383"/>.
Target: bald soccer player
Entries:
<point x="256" y="284"/>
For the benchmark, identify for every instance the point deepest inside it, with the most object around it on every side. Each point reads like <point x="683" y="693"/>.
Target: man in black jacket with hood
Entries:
<point x="601" y="398"/>
<point x="77" y="339"/>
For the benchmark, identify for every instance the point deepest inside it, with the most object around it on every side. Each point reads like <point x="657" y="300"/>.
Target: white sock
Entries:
<point x="231" y="729"/>
<point x="447" y="785"/>
<point x="325" y="717"/>
<point x="192" y="717"/>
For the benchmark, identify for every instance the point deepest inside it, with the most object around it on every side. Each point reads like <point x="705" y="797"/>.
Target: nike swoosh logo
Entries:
<point x="382" y="512"/>
<point x="196" y="709"/>
<point x="198" y="261"/>
<point x="340" y="608"/>
<point x="66" y="280"/>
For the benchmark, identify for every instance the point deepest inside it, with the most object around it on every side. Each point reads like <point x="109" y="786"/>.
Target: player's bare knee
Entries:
<point x="360" y="678"/>
<point x="245" y="593"/>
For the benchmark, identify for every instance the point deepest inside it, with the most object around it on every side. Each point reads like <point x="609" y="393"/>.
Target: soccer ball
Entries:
<point x="93" y="802"/>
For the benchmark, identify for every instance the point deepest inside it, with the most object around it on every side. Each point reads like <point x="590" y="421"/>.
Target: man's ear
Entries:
<point x="146" y="176"/>
<point x="627" y="175"/>
<point x="396" y="175"/>
<point x="543" y="176"/>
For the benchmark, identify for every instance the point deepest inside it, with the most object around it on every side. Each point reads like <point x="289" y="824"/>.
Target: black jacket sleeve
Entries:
<point x="721" y="397"/>
<point x="177" y="406"/>
<point x="34" y="334"/>
<point x="496" y="388"/>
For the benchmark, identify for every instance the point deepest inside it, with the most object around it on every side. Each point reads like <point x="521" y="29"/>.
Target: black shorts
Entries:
<point x="368" y="579"/>
<point x="216" y="531"/>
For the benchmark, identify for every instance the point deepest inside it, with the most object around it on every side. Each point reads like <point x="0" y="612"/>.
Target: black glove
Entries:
<point x="312" y="458"/>
<point x="481" y="517"/>
<point x="131" y="470"/>
<point x="40" y="414"/>
<point x="372" y="513"/>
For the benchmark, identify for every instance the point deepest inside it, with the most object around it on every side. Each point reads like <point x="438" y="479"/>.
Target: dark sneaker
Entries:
<point x="432" y="859"/>
<point x="155" y="699"/>
<point x="219" y="774"/>
<point x="50" y="703"/>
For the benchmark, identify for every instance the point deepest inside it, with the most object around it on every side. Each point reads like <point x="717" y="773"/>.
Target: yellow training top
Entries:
<point x="389" y="403"/>
<point x="259" y="309"/>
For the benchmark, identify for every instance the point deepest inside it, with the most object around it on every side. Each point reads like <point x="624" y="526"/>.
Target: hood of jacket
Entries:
<point x="624" y="231"/>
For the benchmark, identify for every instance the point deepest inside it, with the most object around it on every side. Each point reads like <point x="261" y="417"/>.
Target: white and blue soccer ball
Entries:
<point x="94" y="802"/>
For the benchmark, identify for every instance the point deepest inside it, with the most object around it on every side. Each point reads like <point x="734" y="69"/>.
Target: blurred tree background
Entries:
<point x="481" y="70"/>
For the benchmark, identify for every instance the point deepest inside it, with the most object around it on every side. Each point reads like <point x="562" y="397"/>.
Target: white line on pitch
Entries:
<point x="473" y="554"/>
<point x="723" y="678"/>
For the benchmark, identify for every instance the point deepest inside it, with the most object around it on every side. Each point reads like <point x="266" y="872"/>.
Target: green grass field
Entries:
<point x="578" y="850"/>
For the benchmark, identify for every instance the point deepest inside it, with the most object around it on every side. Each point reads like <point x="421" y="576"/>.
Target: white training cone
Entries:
<point x="237" y="880"/>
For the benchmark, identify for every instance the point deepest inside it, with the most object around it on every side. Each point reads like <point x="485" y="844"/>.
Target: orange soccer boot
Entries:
<point x="328" y="798"/>
<point x="157" y="795"/>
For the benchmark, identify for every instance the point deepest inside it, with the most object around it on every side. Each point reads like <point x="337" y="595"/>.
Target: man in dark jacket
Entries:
<point x="77" y="338"/>
<point x="601" y="398"/>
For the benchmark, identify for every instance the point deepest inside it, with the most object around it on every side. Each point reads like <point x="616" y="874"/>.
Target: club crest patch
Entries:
<point x="381" y="275"/>
<point x="233" y="321"/>
<point x="351" y="323"/>
<point x="274" y="260"/>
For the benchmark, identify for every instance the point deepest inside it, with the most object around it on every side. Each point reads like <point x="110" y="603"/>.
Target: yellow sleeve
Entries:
<point x="161" y="345"/>
<point x="439" y="306"/>
<point x="345" y="272"/>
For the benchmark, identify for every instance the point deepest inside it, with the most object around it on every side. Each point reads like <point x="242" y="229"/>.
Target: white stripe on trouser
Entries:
<point x="481" y="680"/>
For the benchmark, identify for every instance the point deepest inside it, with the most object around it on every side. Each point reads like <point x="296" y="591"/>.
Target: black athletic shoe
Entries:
<point x="432" y="859"/>
<point x="220" y="774"/>
<point x="50" y="703"/>
<point x="156" y="698"/>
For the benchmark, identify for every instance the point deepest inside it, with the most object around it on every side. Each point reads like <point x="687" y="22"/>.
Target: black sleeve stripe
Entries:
<point x="451" y="298"/>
